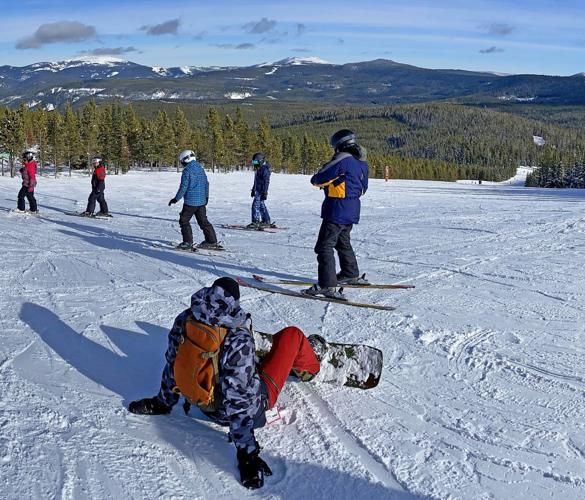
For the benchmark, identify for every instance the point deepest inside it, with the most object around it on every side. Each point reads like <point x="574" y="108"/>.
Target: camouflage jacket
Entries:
<point x="243" y="401"/>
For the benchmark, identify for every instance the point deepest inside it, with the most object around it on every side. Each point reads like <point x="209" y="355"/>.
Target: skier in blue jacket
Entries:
<point x="260" y="215"/>
<point x="195" y="189"/>
<point x="344" y="180"/>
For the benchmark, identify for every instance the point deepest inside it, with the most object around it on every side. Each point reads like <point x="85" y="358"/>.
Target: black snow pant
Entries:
<point x="100" y="198"/>
<point x="335" y="236"/>
<point x="200" y="214"/>
<point x="30" y="196"/>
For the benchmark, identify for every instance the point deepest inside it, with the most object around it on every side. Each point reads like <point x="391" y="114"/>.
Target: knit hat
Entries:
<point x="229" y="285"/>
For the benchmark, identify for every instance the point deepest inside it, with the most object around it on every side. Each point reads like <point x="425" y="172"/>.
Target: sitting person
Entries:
<point x="211" y="360"/>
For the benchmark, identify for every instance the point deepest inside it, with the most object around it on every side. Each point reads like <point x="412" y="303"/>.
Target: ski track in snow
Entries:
<point x="483" y="390"/>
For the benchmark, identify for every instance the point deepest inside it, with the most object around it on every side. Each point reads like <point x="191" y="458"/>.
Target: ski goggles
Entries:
<point x="255" y="162"/>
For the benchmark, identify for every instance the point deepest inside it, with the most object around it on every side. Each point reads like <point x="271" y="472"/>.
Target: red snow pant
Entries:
<point x="290" y="351"/>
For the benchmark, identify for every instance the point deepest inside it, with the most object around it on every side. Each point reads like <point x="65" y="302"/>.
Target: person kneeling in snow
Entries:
<point x="211" y="361"/>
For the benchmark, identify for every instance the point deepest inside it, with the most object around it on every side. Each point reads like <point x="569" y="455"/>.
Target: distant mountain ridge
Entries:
<point x="310" y="79"/>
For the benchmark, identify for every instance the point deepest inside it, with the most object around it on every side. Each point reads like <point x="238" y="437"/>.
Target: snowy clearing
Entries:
<point x="483" y="390"/>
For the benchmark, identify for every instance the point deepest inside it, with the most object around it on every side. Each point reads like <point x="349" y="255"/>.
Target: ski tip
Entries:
<point x="257" y="277"/>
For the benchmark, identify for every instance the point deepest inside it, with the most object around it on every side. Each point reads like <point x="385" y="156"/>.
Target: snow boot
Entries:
<point x="329" y="292"/>
<point x="204" y="245"/>
<point x="357" y="280"/>
<point x="319" y="345"/>
<point x="149" y="406"/>
<point x="184" y="246"/>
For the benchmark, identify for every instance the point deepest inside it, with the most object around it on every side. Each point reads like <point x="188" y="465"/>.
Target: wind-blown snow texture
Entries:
<point x="483" y="393"/>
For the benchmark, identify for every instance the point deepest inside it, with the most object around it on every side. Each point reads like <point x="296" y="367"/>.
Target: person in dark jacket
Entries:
<point x="260" y="215"/>
<point x="246" y="389"/>
<point x="344" y="180"/>
<point x="194" y="188"/>
<point x="28" y="172"/>
<point x="98" y="186"/>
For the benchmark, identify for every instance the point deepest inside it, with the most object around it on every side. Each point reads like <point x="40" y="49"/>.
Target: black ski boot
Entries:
<point x="186" y="246"/>
<point x="254" y="225"/>
<point x="149" y="406"/>
<point x="329" y="292"/>
<point x="319" y="345"/>
<point x="357" y="280"/>
<point x="204" y="245"/>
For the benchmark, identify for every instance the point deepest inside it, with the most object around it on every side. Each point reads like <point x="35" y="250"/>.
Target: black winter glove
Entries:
<point x="149" y="406"/>
<point x="252" y="193"/>
<point x="252" y="469"/>
<point x="172" y="202"/>
<point x="263" y="196"/>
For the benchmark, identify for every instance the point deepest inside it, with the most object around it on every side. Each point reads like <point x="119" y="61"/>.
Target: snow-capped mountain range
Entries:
<point x="52" y="84"/>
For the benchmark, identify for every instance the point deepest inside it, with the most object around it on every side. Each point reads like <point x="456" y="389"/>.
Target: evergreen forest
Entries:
<point x="434" y="141"/>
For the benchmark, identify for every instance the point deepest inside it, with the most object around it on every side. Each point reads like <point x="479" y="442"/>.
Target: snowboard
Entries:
<point x="278" y="281"/>
<point x="292" y="293"/>
<point x="241" y="227"/>
<point x="351" y="365"/>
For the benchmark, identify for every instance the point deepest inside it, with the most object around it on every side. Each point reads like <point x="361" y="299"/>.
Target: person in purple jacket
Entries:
<point x="345" y="180"/>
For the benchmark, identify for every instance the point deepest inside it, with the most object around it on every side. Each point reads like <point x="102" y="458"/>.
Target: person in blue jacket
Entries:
<point x="260" y="215"/>
<point x="195" y="189"/>
<point x="345" y="180"/>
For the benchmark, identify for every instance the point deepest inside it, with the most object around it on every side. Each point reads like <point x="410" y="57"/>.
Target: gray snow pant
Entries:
<point x="200" y="214"/>
<point x="335" y="236"/>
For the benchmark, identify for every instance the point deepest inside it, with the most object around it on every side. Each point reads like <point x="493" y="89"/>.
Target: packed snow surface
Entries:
<point x="483" y="390"/>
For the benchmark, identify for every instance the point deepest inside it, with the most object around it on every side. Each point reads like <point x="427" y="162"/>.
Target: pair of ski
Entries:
<point x="194" y="249"/>
<point x="263" y="229"/>
<point x="270" y="285"/>
<point x="91" y="216"/>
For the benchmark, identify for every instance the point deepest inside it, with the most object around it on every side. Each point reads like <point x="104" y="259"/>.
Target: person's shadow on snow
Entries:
<point x="136" y="373"/>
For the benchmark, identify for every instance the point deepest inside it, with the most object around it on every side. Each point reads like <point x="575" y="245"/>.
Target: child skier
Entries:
<point x="260" y="215"/>
<point x="195" y="188"/>
<point x="242" y="390"/>
<point x="28" y="172"/>
<point x="98" y="186"/>
<point x="345" y="180"/>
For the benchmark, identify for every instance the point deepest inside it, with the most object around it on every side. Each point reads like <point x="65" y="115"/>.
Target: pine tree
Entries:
<point x="215" y="138"/>
<point x="182" y="130"/>
<point x="231" y="142"/>
<point x="12" y="137"/>
<point x="72" y="138"/>
<point x="242" y="131"/>
<point x="165" y="139"/>
<point x="89" y="130"/>
<point x="55" y="138"/>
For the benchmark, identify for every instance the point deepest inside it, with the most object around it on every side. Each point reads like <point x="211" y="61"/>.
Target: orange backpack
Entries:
<point x="196" y="367"/>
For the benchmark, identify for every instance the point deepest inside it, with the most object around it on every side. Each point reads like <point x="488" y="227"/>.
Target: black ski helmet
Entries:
<point x="258" y="159"/>
<point x="28" y="155"/>
<point x="343" y="137"/>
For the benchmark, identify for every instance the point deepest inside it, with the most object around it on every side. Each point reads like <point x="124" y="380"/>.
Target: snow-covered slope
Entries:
<point x="482" y="393"/>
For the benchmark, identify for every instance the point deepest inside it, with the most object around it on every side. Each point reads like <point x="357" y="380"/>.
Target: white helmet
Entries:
<point x="186" y="156"/>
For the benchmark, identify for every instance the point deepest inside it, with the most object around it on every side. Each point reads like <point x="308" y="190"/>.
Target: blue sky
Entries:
<point x="536" y="36"/>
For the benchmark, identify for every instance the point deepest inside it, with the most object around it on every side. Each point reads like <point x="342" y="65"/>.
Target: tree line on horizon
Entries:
<point x="414" y="142"/>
